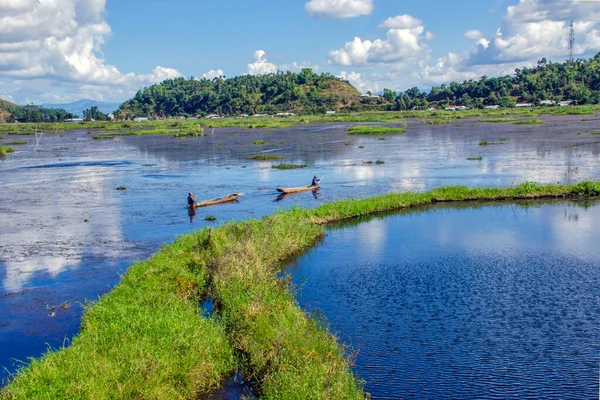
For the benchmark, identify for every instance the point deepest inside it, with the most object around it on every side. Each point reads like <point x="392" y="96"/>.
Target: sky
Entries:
<point x="54" y="51"/>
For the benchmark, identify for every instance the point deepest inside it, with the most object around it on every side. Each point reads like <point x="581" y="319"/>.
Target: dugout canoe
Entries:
<point x="219" y="200"/>
<point x="297" y="189"/>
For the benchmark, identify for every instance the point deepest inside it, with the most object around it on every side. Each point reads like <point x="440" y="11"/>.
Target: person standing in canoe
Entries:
<point x="315" y="181"/>
<point x="191" y="200"/>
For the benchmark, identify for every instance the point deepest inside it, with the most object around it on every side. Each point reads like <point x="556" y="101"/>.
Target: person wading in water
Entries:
<point x="191" y="200"/>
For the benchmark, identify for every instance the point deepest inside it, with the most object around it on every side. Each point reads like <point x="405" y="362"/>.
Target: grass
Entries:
<point x="6" y="150"/>
<point x="474" y="158"/>
<point x="15" y="143"/>
<point x="484" y="143"/>
<point x="121" y="188"/>
<point x="534" y="121"/>
<point x="497" y="120"/>
<point x="263" y="157"/>
<point x="260" y="142"/>
<point x="374" y="130"/>
<point x="504" y="139"/>
<point x="147" y="338"/>
<point x="289" y="166"/>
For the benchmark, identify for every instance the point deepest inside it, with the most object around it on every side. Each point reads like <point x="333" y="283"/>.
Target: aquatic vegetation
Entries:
<point x="381" y="138"/>
<point x="504" y="139"/>
<point x="211" y="218"/>
<point x="289" y="166"/>
<point x="361" y="147"/>
<point x="497" y="120"/>
<point x="591" y="134"/>
<point x="437" y="121"/>
<point x="6" y="150"/>
<point x="534" y="121"/>
<point x="263" y="157"/>
<point x="484" y="143"/>
<point x="374" y="130"/>
<point x="15" y="143"/>
<point x="121" y="188"/>
<point x="260" y="142"/>
<point x="379" y="162"/>
<point x="474" y="158"/>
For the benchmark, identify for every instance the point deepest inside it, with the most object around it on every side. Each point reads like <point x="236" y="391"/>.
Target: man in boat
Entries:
<point x="315" y="181"/>
<point x="191" y="200"/>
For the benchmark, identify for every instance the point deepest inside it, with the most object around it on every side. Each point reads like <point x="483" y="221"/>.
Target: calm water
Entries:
<point x="66" y="234"/>
<point x="495" y="302"/>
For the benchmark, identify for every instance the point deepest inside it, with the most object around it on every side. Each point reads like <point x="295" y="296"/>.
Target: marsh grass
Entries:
<point x="484" y="143"/>
<point x="6" y="150"/>
<point x="534" y="121"/>
<point x="289" y="166"/>
<point x="374" y="130"/>
<point x="264" y="157"/>
<point x="15" y="143"/>
<point x="474" y="158"/>
<point x="260" y="142"/>
<point x="497" y="120"/>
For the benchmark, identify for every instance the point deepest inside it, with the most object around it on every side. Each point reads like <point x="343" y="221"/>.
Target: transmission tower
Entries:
<point x="571" y="41"/>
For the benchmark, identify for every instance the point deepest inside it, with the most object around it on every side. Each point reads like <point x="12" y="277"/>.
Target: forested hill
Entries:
<point x="304" y="92"/>
<point x="578" y="81"/>
<point x="10" y="112"/>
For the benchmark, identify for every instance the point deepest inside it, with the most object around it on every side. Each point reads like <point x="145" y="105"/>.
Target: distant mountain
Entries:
<point x="78" y="106"/>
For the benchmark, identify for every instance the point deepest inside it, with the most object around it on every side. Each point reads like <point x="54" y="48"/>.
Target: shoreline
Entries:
<point x="147" y="337"/>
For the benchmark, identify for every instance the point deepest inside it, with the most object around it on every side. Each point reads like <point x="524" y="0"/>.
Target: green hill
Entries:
<point x="305" y="92"/>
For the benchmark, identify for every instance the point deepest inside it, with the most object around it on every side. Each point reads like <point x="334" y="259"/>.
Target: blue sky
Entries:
<point x="63" y="50"/>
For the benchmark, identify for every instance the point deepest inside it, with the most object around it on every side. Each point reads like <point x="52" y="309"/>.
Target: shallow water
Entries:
<point x="66" y="234"/>
<point x="488" y="302"/>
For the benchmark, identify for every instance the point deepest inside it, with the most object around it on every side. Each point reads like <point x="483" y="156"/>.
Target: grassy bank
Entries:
<point x="198" y="125"/>
<point x="6" y="150"/>
<point x="147" y="339"/>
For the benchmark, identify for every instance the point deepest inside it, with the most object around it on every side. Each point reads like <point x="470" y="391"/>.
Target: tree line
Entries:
<point x="578" y="81"/>
<point x="33" y="113"/>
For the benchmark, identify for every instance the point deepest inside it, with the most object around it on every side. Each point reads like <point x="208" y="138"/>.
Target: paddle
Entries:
<point x="321" y="180"/>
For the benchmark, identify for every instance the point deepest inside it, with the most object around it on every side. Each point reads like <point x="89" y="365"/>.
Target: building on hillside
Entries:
<point x="330" y="113"/>
<point x="74" y="120"/>
<point x="565" y="103"/>
<point x="213" y="116"/>
<point x="285" y="115"/>
<point x="494" y="107"/>
<point x="523" y="105"/>
<point x="140" y="119"/>
<point x="547" y="103"/>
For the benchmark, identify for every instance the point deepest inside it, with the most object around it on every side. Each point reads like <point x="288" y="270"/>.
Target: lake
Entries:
<point x="470" y="301"/>
<point x="67" y="235"/>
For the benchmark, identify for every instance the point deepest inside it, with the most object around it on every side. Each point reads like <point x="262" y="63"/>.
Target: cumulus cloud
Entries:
<point x="404" y="43"/>
<point x="213" y="74"/>
<point x="339" y="8"/>
<point x="361" y="82"/>
<point x="261" y="66"/>
<point x="539" y="28"/>
<point x="61" y="40"/>
<point x="473" y="35"/>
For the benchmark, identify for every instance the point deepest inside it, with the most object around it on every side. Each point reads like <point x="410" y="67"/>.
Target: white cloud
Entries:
<point x="61" y="41"/>
<point x="261" y="66"/>
<point x="339" y="8"/>
<point x="210" y="75"/>
<point x="404" y="21"/>
<point x="404" y="43"/>
<point x="362" y="84"/>
<point x="473" y="35"/>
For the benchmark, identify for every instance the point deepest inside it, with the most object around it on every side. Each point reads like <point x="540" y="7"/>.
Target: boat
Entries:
<point x="297" y="189"/>
<point x="219" y="200"/>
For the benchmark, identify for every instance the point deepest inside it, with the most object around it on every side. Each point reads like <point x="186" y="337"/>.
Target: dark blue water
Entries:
<point x="492" y="302"/>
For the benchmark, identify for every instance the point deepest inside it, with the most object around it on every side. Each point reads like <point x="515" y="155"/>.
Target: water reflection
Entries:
<point x="487" y="301"/>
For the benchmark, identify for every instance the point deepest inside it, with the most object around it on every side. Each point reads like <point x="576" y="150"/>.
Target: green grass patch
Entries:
<point x="15" y="143"/>
<point x="534" y="121"/>
<point x="474" y="158"/>
<point x="504" y="139"/>
<point x="484" y="143"/>
<point x="264" y="157"/>
<point x="121" y="188"/>
<point x="591" y="134"/>
<point x="497" y="120"/>
<point x="374" y="130"/>
<point x="210" y="218"/>
<point x="289" y="166"/>
<point x="438" y="121"/>
<point x="260" y="142"/>
<point x="6" y="150"/>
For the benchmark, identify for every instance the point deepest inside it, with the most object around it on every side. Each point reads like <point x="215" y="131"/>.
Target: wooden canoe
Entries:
<point x="218" y="200"/>
<point x="297" y="189"/>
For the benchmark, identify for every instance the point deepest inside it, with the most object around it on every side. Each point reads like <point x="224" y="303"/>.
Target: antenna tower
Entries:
<point x="571" y="41"/>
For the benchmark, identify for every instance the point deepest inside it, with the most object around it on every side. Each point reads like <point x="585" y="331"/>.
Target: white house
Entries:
<point x="330" y="113"/>
<point x="523" y="105"/>
<point x="494" y="107"/>
<point x="547" y="103"/>
<point x="140" y="119"/>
